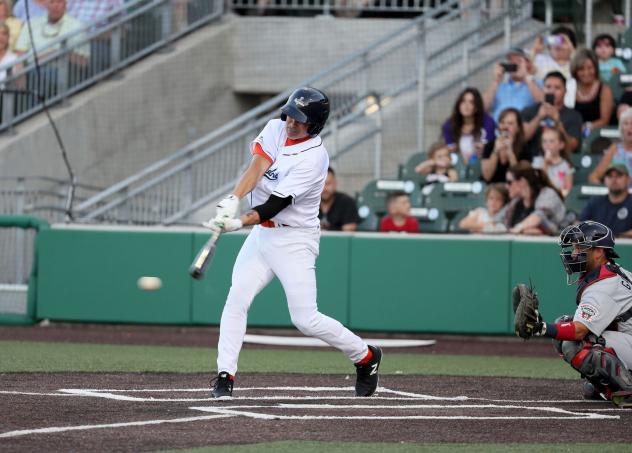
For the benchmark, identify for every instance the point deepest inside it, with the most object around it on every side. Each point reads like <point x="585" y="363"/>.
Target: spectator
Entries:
<point x="614" y="209"/>
<point x="593" y="99"/>
<point x="48" y="28"/>
<point x="519" y="90"/>
<point x="618" y="152"/>
<point x="398" y="218"/>
<point x="338" y="211"/>
<point x="37" y="8"/>
<point x="609" y="65"/>
<point x="557" y="164"/>
<point x="438" y="167"/>
<point x="552" y="113"/>
<point x="87" y="11"/>
<point x="538" y="207"/>
<point x="506" y="150"/>
<point x="7" y="57"/>
<point x="14" y="24"/>
<point x="469" y="128"/>
<point x="561" y="45"/>
<point x="490" y="218"/>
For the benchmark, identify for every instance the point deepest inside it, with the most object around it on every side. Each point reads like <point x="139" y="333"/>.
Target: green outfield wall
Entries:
<point x="422" y="283"/>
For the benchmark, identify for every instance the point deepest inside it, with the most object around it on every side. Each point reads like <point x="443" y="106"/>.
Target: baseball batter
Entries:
<point x="283" y="184"/>
<point x="597" y="339"/>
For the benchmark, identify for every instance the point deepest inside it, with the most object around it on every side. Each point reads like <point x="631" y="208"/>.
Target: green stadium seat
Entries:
<point x="375" y="193"/>
<point x="580" y="195"/>
<point x="584" y="165"/>
<point x="407" y="171"/>
<point x="599" y="140"/>
<point x="452" y="197"/>
<point x="369" y="220"/>
<point x="454" y="222"/>
<point x="431" y="220"/>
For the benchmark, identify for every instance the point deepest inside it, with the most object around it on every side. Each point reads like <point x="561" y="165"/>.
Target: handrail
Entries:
<point x="444" y="13"/>
<point x="72" y="79"/>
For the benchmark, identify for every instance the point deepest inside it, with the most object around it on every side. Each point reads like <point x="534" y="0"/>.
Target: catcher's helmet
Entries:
<point x="307" y="105"/>
<point x="584" y="236"/>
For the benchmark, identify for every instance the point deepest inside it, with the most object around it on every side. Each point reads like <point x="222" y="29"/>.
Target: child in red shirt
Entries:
<point x="399" y="218"/>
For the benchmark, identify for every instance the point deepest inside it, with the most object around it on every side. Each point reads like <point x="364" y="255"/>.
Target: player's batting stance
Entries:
<point x="597" y="340"/>
<point x="283" y="184"/>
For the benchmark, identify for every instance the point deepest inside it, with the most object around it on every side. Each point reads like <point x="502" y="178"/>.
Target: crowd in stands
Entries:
<point x="522" y="141"/>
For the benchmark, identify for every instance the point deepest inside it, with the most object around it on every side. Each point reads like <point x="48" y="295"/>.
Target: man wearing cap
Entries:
<point x="614" y="209"/>
<point x="518" y="90"/>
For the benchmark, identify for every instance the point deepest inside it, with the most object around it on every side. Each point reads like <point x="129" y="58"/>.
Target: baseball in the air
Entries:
<point x="149" y="283"/>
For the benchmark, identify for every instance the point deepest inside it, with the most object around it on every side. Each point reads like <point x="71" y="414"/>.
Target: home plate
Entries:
<point x="307" y="341"/>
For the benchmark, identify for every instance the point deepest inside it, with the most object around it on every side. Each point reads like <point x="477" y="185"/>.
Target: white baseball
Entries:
<point x="149" y="283"/>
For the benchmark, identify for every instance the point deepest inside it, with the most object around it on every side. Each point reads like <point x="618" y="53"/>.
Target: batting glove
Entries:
<point x="223" y="225"/>
<point x="227" y="208"/>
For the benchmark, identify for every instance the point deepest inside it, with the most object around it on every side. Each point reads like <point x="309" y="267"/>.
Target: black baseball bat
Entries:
<point x="204" y="257"/>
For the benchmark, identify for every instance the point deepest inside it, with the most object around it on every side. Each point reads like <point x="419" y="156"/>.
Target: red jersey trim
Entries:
<point x="259" y="150"/>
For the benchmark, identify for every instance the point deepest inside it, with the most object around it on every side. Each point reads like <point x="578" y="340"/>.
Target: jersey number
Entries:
<point x="626" y="284"/>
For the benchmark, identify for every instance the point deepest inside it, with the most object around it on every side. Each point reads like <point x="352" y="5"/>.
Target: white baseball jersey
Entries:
<point x="603" y="301"/>
<point x="298" y="171"/>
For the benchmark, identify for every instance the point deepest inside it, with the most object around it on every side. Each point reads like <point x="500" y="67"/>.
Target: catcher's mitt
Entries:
<point x="527" y="319"/>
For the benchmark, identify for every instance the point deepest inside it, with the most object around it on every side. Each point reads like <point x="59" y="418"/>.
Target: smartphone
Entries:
<point x="509" y="67"/>
<point x="549" y="98"/>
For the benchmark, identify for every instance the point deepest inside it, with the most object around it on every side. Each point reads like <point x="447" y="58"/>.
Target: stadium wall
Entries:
<point x="422" y="283"/>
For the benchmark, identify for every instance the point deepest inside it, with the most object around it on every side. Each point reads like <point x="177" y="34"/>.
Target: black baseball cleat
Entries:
<point x="592" y="392"/>
<point x="367" y="374"/>
<point x="222" y="386"/>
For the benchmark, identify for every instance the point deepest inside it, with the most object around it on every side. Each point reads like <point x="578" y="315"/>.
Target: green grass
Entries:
<point x="330" y="447"/>
<point x="18" y="356"/>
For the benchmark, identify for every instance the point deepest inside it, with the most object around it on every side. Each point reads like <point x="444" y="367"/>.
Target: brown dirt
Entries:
<point x="207" y="337"/>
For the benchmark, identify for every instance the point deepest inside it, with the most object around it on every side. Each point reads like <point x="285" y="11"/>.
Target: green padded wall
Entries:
<point x="427" y="284"/>
<point x="90" y="275"/>
<point x="270" y="307"/>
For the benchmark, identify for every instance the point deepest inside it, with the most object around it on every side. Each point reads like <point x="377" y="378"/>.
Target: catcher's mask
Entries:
<point x="576" y="240"/>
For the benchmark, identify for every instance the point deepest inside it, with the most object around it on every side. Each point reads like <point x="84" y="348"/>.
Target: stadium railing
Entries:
<point x="112" y="42"/>
<point x="172" y="189"/>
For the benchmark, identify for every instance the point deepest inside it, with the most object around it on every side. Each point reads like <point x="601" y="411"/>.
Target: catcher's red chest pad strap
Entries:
<point x="601" y="273"/>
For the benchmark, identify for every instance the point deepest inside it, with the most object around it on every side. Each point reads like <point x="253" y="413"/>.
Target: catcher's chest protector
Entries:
<point x="601" y="273"/>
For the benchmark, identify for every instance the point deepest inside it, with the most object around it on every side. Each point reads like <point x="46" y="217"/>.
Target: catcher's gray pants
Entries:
<point x="622" y="345"/>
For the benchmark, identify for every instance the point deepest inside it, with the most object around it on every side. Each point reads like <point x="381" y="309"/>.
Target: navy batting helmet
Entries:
<point x="307" y="105"/>
<point x="584" y="236"/>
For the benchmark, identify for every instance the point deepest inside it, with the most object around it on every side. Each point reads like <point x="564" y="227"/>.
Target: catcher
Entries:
<point x="597" y="340"/>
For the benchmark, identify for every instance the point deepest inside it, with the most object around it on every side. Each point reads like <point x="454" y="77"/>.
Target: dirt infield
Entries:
<point x="157" y="411"/>
<point x="143" y="412"/>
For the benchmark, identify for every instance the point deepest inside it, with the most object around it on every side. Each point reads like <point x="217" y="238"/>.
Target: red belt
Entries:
<point x="271" y="224"/>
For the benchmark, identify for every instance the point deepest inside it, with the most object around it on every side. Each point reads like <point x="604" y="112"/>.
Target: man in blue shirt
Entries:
<point x="615" y="209"/>
<point x="518" y="90"/>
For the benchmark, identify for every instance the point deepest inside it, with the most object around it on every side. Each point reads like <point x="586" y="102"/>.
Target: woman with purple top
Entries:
<point x="469" y="128"/>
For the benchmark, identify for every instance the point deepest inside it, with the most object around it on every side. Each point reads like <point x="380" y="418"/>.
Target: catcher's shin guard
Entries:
<point x="601" y="366"/>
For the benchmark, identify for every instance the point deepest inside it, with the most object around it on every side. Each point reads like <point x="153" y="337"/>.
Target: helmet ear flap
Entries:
<point x="283" y="116"/>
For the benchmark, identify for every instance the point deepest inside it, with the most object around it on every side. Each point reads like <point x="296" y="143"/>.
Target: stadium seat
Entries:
<point x="369" y="220"/>
<point x="599" y="140"/>
<point x="407" y="171"/>
<point x="580" y="195"/>
<point x="452" y="197"/>
<point x="431" y="220"/>
<point x="454" y="222"/>
<point x="374" y="194"/>
<point x="584" y="165"/>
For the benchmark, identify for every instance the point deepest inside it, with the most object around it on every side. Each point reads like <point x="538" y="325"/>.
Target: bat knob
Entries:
<point x="196" y="273"/>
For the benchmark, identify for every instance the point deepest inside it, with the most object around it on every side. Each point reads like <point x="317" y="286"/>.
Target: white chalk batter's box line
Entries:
<point x="223" y="409"/>
<point x="270" y="411"/>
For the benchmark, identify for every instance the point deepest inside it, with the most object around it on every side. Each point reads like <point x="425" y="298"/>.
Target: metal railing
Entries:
<point x="346" y="8"/>
<point x="40" y="196"/>
<point x="403" y="61"/>
<point x="81" y="58"/>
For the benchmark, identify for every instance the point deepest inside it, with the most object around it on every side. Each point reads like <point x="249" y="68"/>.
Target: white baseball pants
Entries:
<point x="290" y="254"/>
